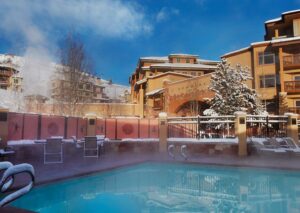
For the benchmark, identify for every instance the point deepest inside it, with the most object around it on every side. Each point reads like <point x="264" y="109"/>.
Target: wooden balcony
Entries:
<point x="6" y="73"/>
<point x="292" y="86"/>
<point x="291" y="61"/>
<point x="294" y="110"/>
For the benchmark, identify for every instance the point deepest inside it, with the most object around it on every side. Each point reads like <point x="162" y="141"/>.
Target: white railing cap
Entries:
<point x="240" y="113"/>
<point x="290" y="114"/>
<point x="162" y="115"/>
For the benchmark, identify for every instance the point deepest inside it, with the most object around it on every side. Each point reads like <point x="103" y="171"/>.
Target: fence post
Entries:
<point x="163" y="132"/>
<point x="240" y="132"/>
<point x="292" y="126"/>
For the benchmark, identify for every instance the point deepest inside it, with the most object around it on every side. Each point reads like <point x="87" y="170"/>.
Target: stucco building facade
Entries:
<point x="158" y="80"/>
<point x="275" y="63"/>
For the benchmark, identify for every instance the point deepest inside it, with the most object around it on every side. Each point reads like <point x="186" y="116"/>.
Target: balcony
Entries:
<point x="4" y="82"/>
<point x="292" y="86"/>
<point x="294" y="110"/>
<point x="291" y="61"/>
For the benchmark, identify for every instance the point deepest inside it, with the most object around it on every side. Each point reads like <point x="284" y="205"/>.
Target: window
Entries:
<point x="267" y="81"/>
<point x="270" y="106"/>
<point x="297" y="103"/>
<point x="266" y="58"/>
<point x="80" y="86"/>
<point x="16" y="81"/>
<point x="88" y="86"/>
<point x="188" y="60"/>
<point x="296" y="27"/>
<point x="193" y="73"/>
<point x="297" y="78"/>
<point x="178" y="60"/>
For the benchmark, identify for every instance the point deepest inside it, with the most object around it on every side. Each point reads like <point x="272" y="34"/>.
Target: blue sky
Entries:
<point x="117" y="32"/>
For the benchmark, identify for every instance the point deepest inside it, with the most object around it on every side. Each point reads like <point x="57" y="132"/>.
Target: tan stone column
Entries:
<point x="292" y="126"/>
<point x="240" y="132"/>
<point x="280" y="54"/>
<point x="163" y="132"/>
<point x="3" y="127"/>
<point x="141" y="102"/>
<point x="91" y="124"/>
<point x="283" y="104"/>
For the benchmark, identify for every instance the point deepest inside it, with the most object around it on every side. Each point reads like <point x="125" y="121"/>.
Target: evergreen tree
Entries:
<point x="231" y="91"/>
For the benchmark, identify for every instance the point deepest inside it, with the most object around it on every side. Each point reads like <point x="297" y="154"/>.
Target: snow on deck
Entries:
<point x="204" y="140"/>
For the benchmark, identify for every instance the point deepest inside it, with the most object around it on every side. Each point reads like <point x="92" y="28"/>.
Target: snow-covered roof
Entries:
<point x="13" y="59"/>
<point x="273" y="20"/>
<point x="169" y="73"/>
<point x="141" y="81"/>
<point x="204" y="61"/>
<point x="236" y="51"/>
<point x="162" y="74"/>
<point x="155" y="58"/>
<point x="153" y="92"/>
<point x="282" y="14"/>
<point x="184" y="65"/>
<point x="183" y="54"/>
<point x="145" y="68"/>
<point x="274" y="41"/>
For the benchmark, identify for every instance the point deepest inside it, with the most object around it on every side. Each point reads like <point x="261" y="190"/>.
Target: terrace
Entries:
<point x="291" y="61"/>
<point x="135" y="141"/>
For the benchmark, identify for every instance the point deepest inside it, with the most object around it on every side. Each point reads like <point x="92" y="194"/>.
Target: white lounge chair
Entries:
<point x="90" y="148"/>
<point x="7" y="180"/>
<point x="53" y="151"/>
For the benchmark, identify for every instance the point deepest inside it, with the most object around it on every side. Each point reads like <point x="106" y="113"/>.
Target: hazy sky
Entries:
<point x="117" y="32"/>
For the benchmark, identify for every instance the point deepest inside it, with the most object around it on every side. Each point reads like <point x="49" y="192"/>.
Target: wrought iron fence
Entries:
<point x="201" y="127"/>
<point x="266" y="126"/>
<point x="223" y="126"/>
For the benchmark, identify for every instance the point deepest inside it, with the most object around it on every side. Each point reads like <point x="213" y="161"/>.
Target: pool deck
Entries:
<point x="78" y="165"/>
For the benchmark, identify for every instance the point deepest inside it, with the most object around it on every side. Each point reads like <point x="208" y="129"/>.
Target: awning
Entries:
<point x="155" y="92"/>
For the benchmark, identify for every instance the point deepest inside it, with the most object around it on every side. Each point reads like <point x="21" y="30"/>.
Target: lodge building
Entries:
<point x="275" y="63"/>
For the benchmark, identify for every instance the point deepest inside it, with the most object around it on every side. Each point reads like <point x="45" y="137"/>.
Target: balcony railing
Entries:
<point x="3" y="82"/>
<point x="291" y="61"/>
<point x="292" y="86"/>
<point x="294" y="110"/>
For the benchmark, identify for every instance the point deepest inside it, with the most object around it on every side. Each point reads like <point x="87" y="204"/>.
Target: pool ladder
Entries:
<point x="8" y="178"/>
<point x="171" y="151"/>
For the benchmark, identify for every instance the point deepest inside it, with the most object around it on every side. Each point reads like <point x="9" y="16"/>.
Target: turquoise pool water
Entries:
<point x="154" y="187"/>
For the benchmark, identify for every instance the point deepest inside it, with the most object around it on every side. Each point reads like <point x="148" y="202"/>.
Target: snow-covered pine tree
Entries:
<point x="231" y="91"/>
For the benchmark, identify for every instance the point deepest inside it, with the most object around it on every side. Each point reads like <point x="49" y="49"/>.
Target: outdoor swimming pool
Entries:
<point x="162" y="187"/>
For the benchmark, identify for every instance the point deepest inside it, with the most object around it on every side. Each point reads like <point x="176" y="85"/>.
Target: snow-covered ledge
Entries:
<point x="240" y="113"/>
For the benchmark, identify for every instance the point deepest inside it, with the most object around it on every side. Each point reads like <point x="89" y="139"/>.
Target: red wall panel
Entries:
<point x="100" y="126"/>
<point x="30" y="126"/>
<point x="52" y="126"/>
<point x="71" y="127"/>
<point x="127" y="128"/>
<point x="82" y="125"/>
<point x="154" y="130"/>
<point x="144" y="128"/>
<point x="110" y="130"/>
<point x="15" y="126"/>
